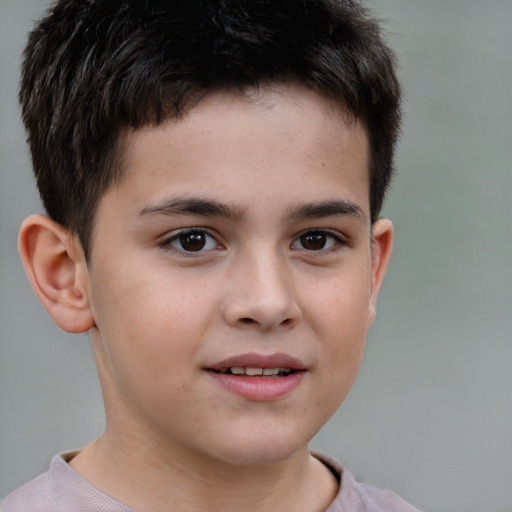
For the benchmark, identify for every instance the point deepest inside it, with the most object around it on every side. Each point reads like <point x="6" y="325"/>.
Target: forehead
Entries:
<point x="294" y="104"/>
<point x="276" y="135"/>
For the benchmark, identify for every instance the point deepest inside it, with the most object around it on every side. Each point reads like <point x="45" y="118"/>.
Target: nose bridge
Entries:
<point x="261" y="295"/>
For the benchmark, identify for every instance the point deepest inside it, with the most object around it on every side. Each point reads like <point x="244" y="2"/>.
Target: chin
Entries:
<point x="260" y="450"/>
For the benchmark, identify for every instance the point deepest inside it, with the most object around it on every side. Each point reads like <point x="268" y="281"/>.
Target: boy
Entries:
<point x="213" y="174"/>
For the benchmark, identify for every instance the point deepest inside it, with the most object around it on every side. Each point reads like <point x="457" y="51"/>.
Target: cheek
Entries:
<point x="339" y="310"/>
<point x="342" y="359"/>
<point x="338" y="318"/>
<point x="149" y="335"/>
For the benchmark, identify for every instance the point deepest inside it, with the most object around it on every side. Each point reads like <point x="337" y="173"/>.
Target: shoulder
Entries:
<point x="358" y="497"/>
<point x="33" y="496"/>
<point x="61" y="489"/>
<point x="382" y="500"/>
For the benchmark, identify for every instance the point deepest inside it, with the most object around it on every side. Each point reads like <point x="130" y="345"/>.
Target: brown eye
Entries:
<point x="192" y="240"/>
<point x="317" y="240"/>
<point x="313" y="241"/>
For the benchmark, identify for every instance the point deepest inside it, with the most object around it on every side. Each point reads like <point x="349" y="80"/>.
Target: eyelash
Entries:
<point x="175" y="237"/>
<point x="336" y="241"/>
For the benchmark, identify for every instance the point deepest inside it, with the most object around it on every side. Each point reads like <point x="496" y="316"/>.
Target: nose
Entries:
<point x="261" y="295"/>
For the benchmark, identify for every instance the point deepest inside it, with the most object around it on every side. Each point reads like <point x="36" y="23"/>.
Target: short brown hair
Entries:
<point x="95" y="67"/>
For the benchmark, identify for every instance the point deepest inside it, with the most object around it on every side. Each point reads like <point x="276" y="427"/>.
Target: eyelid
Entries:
<point x="166" y="242"/>
<point x="340" y="239"/>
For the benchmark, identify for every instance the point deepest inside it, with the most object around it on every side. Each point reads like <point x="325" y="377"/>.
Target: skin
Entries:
<point x="160" y="315"/>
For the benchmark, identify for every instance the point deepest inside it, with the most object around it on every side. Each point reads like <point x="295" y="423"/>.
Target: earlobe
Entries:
<point x="381" y="247"/>
<point x="57" y="270"/>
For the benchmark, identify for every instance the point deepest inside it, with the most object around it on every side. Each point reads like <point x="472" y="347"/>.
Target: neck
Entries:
<point x="160" y="477"/>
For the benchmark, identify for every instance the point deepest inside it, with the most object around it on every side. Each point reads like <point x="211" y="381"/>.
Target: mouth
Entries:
<point x="255" y="364"/>
<point x="255" y="372"/>
<point x="259" y="377"/>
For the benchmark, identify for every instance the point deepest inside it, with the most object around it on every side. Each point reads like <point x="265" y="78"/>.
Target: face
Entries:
<point x="232" y="276"/>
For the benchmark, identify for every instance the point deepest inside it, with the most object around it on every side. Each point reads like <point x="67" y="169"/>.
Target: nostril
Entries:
<point x="247" y="320"/>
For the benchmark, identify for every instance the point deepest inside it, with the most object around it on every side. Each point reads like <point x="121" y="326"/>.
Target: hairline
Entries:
<point x="117" y="160"/>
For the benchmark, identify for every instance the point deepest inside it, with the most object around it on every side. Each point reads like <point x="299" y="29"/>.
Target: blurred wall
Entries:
<point x="430" y="415"/>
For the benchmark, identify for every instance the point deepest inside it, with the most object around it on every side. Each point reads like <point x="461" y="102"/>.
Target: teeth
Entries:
<point x="256" y="372"/>
<point x="253" y="371"/>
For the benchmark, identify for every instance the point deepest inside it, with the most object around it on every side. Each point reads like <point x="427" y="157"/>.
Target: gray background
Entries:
<point x="430" y="415"/>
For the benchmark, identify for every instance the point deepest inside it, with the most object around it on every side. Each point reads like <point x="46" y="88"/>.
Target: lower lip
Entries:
<point x="259" y="389"/>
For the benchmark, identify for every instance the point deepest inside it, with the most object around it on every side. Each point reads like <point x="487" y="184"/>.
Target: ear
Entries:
<point x="381" y="246"/>
<point x="56" y="267"/>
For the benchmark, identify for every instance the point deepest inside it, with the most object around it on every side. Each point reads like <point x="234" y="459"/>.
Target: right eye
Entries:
<point x="192" y="241"/>
<point x="318" y="240"/>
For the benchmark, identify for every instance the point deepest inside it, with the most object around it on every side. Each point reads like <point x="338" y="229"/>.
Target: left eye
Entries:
<point x="316" y="241"/>
<point x="192" y="241"/>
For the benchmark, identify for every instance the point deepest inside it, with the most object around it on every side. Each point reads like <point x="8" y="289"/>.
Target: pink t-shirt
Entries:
<point x="61" y="489"/>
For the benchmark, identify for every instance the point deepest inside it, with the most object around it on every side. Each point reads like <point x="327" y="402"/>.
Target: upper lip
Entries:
<point x="255" y="360"/>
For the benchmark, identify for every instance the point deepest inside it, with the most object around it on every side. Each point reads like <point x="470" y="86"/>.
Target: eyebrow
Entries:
<point x="327" y="209"/>
<point x="194" y="206"/>
<point x="212" y="208"/>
